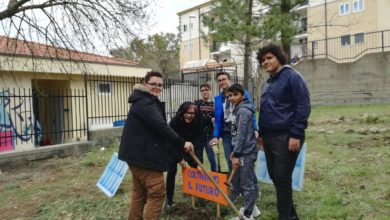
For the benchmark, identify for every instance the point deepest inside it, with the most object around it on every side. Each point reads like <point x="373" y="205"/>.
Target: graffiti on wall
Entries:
<point x="15" y="121"/>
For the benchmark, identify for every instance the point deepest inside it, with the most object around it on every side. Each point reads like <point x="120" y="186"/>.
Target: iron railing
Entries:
<point x="347" y="48"/>
<point x="41" y="117"/>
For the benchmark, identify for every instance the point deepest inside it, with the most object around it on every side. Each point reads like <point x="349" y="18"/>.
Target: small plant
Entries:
<point x="369" y="119"/>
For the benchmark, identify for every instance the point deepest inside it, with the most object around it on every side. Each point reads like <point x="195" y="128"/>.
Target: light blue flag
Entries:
<point x="112" y="176"/>
<point x="298" y="173"/>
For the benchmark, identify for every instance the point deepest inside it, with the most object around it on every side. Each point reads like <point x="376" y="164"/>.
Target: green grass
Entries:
<point x="347" y="176"/>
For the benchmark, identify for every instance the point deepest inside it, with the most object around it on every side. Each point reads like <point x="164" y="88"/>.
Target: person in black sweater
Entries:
<point x="189" y="126"/>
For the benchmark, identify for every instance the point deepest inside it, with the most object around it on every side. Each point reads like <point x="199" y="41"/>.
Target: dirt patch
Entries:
<point x="314" y="175"/>
<point x="181" y="209"/>
<point x="369" y="142"/>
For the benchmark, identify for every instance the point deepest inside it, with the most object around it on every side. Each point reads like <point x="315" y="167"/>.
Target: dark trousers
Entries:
<point x="171" y="175"/>
<point x="170" y="182"/>
<point x="281" y="163"/>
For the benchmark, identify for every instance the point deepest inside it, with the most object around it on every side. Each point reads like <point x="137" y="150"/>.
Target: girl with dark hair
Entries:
<point x="188" y="125"/>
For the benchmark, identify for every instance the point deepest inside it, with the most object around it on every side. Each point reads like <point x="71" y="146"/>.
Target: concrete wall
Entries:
<point x="17" y="158"/>
<point x="364" y="81"/>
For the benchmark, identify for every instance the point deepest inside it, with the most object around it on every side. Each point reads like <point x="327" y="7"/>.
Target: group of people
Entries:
<point x="150" y="146"/>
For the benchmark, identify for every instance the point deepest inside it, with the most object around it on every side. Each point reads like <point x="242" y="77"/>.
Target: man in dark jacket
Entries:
<point x="144" y="147"/>
<point x="284" y="111"/>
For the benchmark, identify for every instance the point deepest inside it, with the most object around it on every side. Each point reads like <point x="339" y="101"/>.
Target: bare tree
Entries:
<point x="83" y="25"/>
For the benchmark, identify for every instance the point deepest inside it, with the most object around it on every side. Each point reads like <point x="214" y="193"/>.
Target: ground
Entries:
<point x="347" y="176"/>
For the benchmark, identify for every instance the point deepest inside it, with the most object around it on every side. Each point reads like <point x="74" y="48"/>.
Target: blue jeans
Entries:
<point x="245" y="183"/>
<point x="210" y="154"/>
<point x="227" y="147"/>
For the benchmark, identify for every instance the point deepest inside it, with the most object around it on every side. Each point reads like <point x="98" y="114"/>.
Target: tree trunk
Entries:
<point x="247" y="49"/>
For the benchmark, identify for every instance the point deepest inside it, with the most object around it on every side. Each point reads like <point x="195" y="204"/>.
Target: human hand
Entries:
<point x="293" y="144"/>
<point x="260" y="143"/>
<point x="188" y="146"/>
<point x="231" y="156"/>
<point x="256" y="134"/>
<point x="214" y="141"/>
<point x="182" y="164"/>
<point x="235" y="162"/>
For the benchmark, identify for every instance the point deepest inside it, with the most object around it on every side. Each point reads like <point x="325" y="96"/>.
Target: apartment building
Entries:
<point x="194" y="46"/>
<point x="199" y="49"/>
<point x="345" y="30"/>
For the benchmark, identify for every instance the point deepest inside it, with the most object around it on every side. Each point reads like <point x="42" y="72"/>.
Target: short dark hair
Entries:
<point x="274" y="49"/>
<point x="223" y="73"/>
<point x="237" y="88"/>
<point x="151" y="74"/>
<point x="205" y="85"/>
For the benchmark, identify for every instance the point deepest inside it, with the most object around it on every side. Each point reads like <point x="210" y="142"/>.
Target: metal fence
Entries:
<point x="46" y="117"/>
<point x="347" y="48"/>
<point x="41" y="117"/>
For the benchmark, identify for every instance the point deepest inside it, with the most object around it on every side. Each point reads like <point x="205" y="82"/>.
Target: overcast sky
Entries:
<point x="166" y="19"/>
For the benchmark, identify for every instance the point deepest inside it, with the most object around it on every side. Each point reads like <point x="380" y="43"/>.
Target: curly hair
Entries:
<point x="275" y="50"/>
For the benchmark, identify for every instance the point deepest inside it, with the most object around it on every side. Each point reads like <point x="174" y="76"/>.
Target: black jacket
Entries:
<point x="146" y="132"/>
<point x="193" y="133"/>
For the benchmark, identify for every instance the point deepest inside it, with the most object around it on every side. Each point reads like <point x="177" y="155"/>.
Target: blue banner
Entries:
<point x="298" y="173"/>
<point x="112" y="176"/>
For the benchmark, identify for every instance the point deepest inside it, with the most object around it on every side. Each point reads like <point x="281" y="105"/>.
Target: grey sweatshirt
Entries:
<point x="243" y="132"/>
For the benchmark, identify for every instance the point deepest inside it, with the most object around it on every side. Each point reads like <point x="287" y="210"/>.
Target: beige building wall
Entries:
<point x="67" y="67"/>
<point x="185" y="51"/>
<point x="368" y="22"/>
<point x="338" y="25"/>
<point x="383" y="14"/>
<point x="193" y="45"/>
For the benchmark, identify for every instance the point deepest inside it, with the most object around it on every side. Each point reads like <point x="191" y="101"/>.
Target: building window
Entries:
<point x="358" y="5"/>
<point x="304" y="24"/>
<point x="184" y="27"/>
<point x="104" y="88"/>
<point x="345" y="40"/>
<point x="359" y="38"/>
<point x="344" y="9"/>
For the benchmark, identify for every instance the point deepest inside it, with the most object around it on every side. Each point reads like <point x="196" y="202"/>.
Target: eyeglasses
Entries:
<point x="190" y="113"/>
<point x="222" y="80"/>
<point x="156" y="85"/>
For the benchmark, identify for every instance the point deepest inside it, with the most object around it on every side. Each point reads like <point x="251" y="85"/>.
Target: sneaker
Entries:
<point x="168" y="205"/>
<point x="255" y="212"/>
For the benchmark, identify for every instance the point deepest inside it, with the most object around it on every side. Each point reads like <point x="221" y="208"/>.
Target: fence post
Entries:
<point x="86" y="104"/>
<point x="312" y="49"/>
<point x="383" y="41"/>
